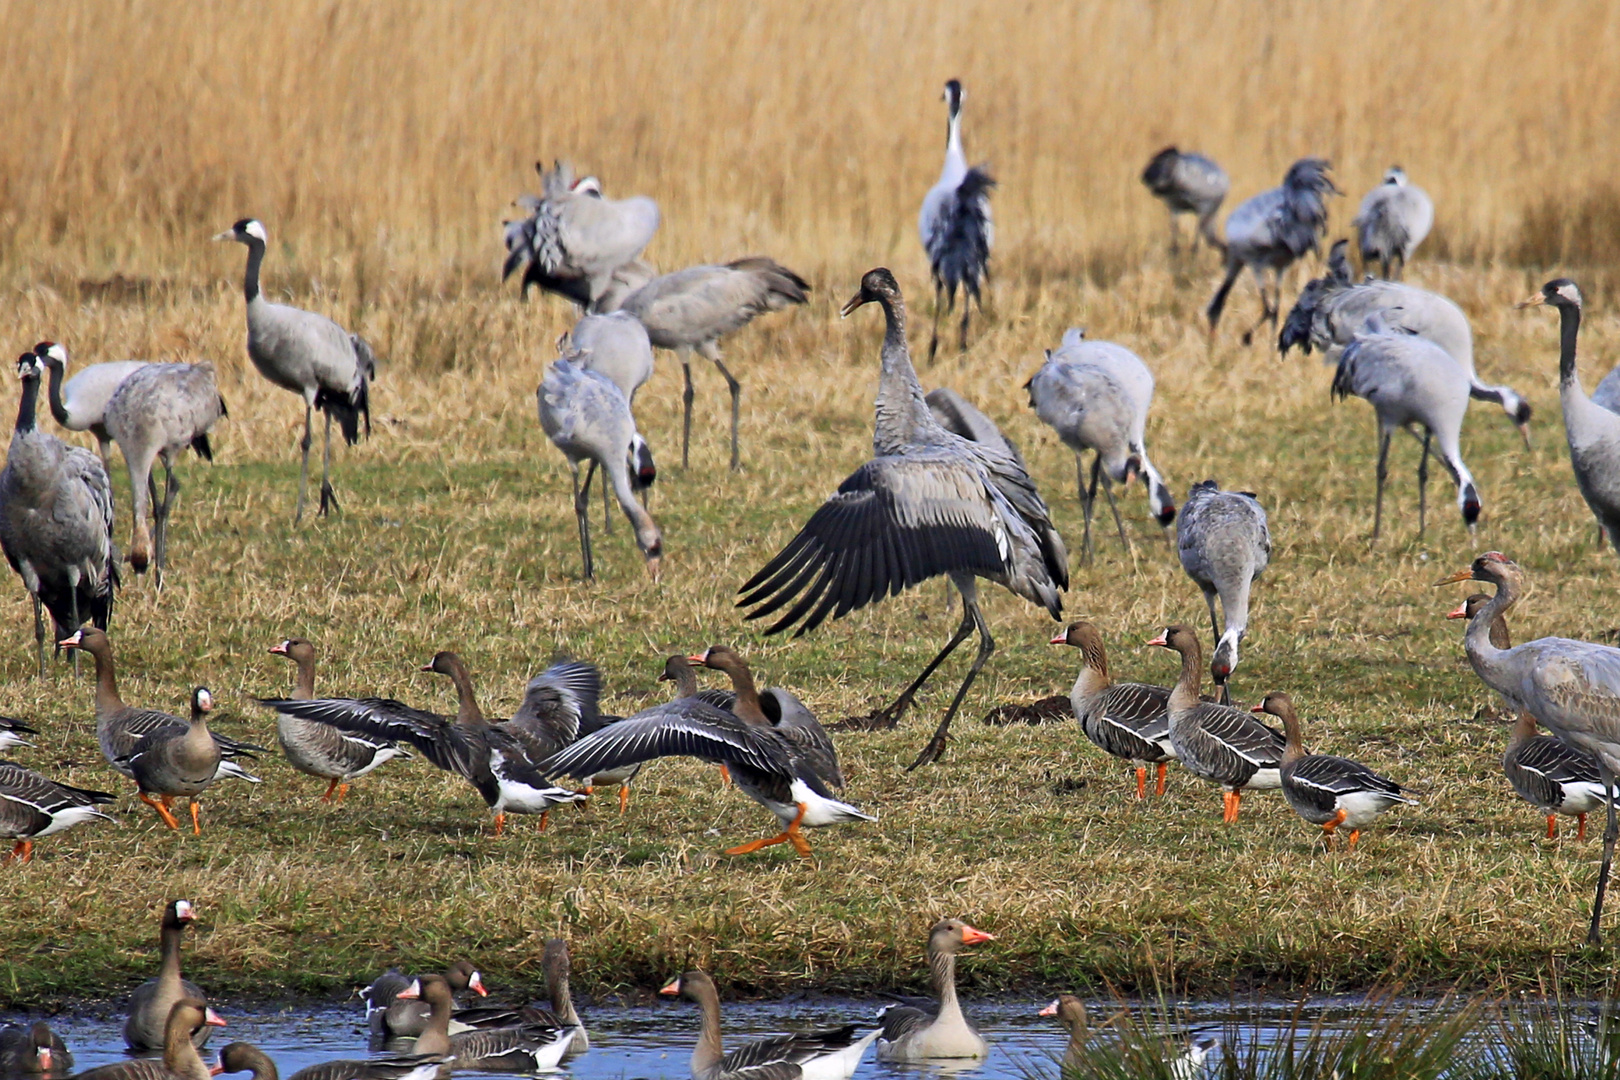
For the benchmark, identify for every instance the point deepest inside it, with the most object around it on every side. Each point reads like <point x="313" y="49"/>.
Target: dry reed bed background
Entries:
<point x="380" y="145"/>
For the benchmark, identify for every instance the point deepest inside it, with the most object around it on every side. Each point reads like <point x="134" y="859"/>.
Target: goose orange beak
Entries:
<point x="212" y="1018"/>
<point x="1160" y="640"/>
<point x="1465" y="574"/>
<point x="699" y="659"/>
<point x="972" y="935"/>
<point x="1050" y="1010"/>
<point x="476" y="983"/>
<point x="673" y="988"/>
<point x="1060" y="638"/>
<point x="71" y="642"/>
<point x="1458" y="612"/>
<point x="279" y="650"/>
<point x="411" y="992"/>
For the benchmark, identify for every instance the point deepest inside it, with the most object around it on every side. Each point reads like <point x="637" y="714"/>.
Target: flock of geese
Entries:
<point x="945" y="493"/>
<point x="419" y="1031"/>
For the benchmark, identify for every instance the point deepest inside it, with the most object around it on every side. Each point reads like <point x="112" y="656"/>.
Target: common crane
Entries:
<point x="928" y="503"/>
<point x="1272" y="230"/>
<point x="1188" y="183"/>
<point x="1095" y="395"/>
<point x="56" y="522"/>
<point x="1225" y="544"/>
<point x="574" y="238"/>
<point x="156" y="413"/>
<point x="955" y="224"/>
<point x="1394" y="218"/>
<point x="309" y="354"/>
<point x="80" y="404"/>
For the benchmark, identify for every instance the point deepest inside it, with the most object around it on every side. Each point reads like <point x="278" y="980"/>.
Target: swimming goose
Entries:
<point x="556" y="964"/>
<point x="911" y="1034"/>
<point x="1071" y="1013"/>
<point x="12" y="732"/>
<point x="764" y="762"/>
<point x="1545" y="772"/>
<point x="775" y="708"/>
<point x="35" y="1050"/>
<point x="171" y="762"/>
<point x="245" y="1057"/>
<point x="1127" y="720"/>
<point x="823" y="1054"/>
<point x="321" y="750"/>
<point x="390" y="1017"/>
<point x="153" y="1001"/>
<point x="119" y="727"/>
<point x="1218" y="743"/>
<point x="187" y="1017"/>
<point x="487" y="756"/>
<point x="524" y="1047"/>
<point x="1326" y="790"/>
<point x="1187" y="1064"/>
<point x="32" y="806"/>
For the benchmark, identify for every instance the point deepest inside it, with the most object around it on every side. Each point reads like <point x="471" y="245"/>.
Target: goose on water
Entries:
<point x="32" y="806"/>
<point x="34" y="1050"/>
<point x="928" y="503"/>
<point x="1548" y="773"/>
<point x="524" y="1047"/>
<point x="318" y="749"/>
<point x="1216" y="742"/>
<point x="1128" y="720"/>
<point x="389" y="1016"/>
<point x="1326" y="790"/>
<point x="1184" y="1057"/>
<point x="823" y="1054"/>
<point x="245" y="1057"/>
<point x="153" y="1002"/>
<point x="907" y="1033"/>
<point x="180" y="1060"/>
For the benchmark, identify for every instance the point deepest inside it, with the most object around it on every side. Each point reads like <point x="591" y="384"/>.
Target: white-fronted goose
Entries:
<point x="559" y="705"/>
<point x="1190" y="1053"/>
<point x="824" y="1054"/>
<point x="1326" y="790"/>
<point x="172" y="762"/>
<point x="910" y="1034"/>
<point x="245" y="1057"/>
<point x="523" y="1047"/>
<point x="180" y="1059"/>
<point x="1219" y="743"/>
<point x="1127" y="720"/>
<point x="119" y="727"/>
<point x="34" y="1050"/>
<point x="486" y="755"/>
<point x="390" y="1017"/>
<point x="12" y="732"/>
<point x="154" y="999"/>
<point x="775" y="708"/>
<point x="321" y="750"/>
<point x="1548" y="773"/>
<point x="764" y="763"/>
<point x="32" y="806"/>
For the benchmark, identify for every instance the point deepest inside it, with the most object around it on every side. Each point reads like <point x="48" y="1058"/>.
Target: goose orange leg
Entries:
<point x="21" y="853"/>
<point x="545" y="816"/>
<point x="196" y="821"/>
<point x="1552" y="826"/>
<point x="725" y="776"/>
<point x="1355" y="834"/>
<point x="1580" y="831"/>
<point x="163" y="811"/>
<point x="1141" y="781"/>
<point x="500" y="823"/>
<point x="1338" y="819"/>
<point x="333" y="786"/>
<point x="1159" y="790"/>
<point x="624" y="797"/>
<point x="790" y="835"/>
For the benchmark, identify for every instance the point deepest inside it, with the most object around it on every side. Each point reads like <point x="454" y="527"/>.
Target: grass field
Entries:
<point x="381" y="144"/>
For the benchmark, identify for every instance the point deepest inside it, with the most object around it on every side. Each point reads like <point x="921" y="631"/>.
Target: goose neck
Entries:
<point x="942" y="969"/>
<point x="707" y="1054"/>
<point x="304" y="685"/>
<point x="107" y="699"/>
<point x="1293" y="744"/>
<point x="467" y="710"/>
<point x="1184" y="695"/>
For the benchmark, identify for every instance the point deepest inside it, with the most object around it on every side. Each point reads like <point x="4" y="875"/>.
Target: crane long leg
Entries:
<point x="890" y="716"/>
<point x="933" y="339"/>
<point x="736" y="404"/>
<point x="1119" y="523"/>
<point x="1174" y="238"/>
<point x="303" y="471"/>
<point x="582" y="512"/>
<point x="607" y="509"/>
<point x="1087" y="499"/>
<point x="967" y="310"/>
<point x="1610" y="833"/>
<point x="1383" y="474"/>
<point x="1423" y="483"/>
<point x="1214" y="627"/>
<point x="686" y="406"/>
<point x="987" y="645"/>
<point x="328" y="496"/>
<point x="39" y="633"/>
<point x="74" y="600"/>
<point x="171" y="488"/>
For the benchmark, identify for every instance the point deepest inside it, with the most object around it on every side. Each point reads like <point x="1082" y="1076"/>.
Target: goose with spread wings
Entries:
<point x="491" y="758"/>
<point x="765" y="764"/>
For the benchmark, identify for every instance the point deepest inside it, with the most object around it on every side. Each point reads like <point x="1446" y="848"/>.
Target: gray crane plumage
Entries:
<point x="587" y="417"/>
<point x="1225" y="545"/>
<point x="1095" y="395"/>
<point x="80" y="404"/>
<point x="1393" y="219"/>
<point x="1332" y="308"/>
<point x="1409" y="381"/>
<point x="615" y="345"/>
<point x="312" y="356"/>
<point x="693" y="309"/>
<point x="574" y="238"/>
<point x="1592" y="432"/>
<point x="1188" y="183"/>
<point x="956" y="226"/>
<point x="960" y="416"/>
<point x="1272" y="230"/>
<point x="155" y="414"/>
<point x="928" y="503"/>
<point x="56" y="521"/>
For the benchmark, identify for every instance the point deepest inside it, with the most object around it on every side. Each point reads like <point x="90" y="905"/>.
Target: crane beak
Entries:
<point x="228" y="234"/>
<point x="654" y="565"/>
<point x="1465" y="574"/>
<point x="1524" y="429"/>
<point x="1535" y="299"/>
<point x="854" y="302"/>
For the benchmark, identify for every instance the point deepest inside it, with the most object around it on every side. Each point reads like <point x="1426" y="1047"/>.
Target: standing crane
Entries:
<point x="81" y="403"/>
<point x="1225" y="544"/>
<point x="56" y="522"/>
<point x="574" y="238"/>
<point x="1394" y="218"/>
<point x="1188" y="183"/>
<point x="309" y="354"/>
<point x="928" y="503"/>
<point x="955" y="224"/>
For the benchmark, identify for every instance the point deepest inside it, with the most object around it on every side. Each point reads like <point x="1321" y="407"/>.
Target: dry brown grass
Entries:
<point x="380" y="143"/>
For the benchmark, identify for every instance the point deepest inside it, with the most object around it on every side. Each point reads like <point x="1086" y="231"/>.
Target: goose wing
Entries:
<point x="1335" y="777"/>
<point x="1557" y="763"/>
<point x="29" y="802"/>
<point x="894" y="522"/>
<point x="685" y="727"/>
<point x="1241" y="734"/>
<point x="557" y="703"/>
<point x="779" y="1057"/>
<point x="440" y="740"/>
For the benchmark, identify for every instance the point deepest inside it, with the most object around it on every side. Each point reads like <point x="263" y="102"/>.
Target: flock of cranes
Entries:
<point x="944" y="494"/>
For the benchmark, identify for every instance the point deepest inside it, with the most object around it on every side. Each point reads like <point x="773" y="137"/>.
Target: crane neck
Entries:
<point x="955" y="157"/>
<point x="58" y="410"/>
<point x="902" y="410"/>
<point x="28" y="406"/>
<point x="250" y="281"/>
<point x="1483" y="652"/>
<point x="1569" y="329"/>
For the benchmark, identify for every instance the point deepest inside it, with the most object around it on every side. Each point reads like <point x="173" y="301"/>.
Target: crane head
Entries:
<point x="1560" y="292"/>
<point x="877" y="285"/>
<point x="246" y="231"/>
<point x="29" y="366"/>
